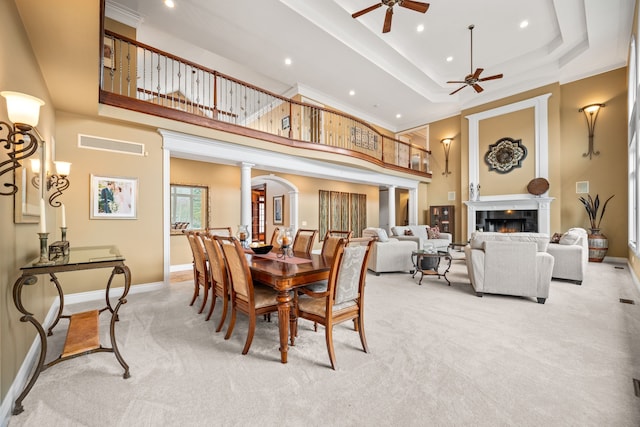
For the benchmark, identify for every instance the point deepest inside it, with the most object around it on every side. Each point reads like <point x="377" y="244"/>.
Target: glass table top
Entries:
<point x="82" y="255"/>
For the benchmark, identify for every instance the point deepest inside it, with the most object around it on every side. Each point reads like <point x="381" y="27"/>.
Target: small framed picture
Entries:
<point x="278" y="204"/>
<point x="113" y="197"/>
<point x="108" y="52"/>
<point x="286" y="122"/>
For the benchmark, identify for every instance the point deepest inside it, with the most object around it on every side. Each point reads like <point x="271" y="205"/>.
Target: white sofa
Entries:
<point x="389" y="254"/>
<point x="420" y="236"/>
<point x="571" y="255"/>
<point x="510" y="264"/>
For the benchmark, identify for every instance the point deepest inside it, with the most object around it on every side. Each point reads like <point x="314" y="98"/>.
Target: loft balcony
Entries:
<point x="141" y="78"/>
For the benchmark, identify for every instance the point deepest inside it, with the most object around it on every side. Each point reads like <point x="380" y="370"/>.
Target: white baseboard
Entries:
<point x="634" y="278"/>
<point x="23" y="375"/>
<point x="180" y="267"/>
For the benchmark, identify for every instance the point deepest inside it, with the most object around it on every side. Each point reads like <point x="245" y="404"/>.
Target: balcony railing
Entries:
<point x="141" y="78"/>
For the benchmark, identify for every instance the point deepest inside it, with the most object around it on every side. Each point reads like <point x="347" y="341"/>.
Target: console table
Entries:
<point x="82" y="335"/>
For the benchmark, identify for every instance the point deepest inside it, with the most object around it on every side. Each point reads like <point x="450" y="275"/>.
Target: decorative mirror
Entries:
<point x="26" y="201"/>
<point x="189" y="207"/>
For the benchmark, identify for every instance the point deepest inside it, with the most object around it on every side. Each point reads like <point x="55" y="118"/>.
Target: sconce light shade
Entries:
<point x="35" y="166"/>
<point x="23" y="108"/>
<point x="63" y="168"/>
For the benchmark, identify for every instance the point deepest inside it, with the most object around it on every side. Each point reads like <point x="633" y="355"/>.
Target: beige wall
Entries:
<point x="19" y="242"/>
<point x="437" y="192"/>
<point x="606" y="172"/>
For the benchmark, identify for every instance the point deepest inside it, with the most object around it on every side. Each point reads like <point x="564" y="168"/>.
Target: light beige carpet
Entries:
<point x="438" y="356"/>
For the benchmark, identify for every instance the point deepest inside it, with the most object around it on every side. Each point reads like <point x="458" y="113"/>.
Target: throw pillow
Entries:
<point x="433" y="232"/>
<point x="569" y="238"/>
<point x="408" y="233"/>
<point x="556" y="238"/>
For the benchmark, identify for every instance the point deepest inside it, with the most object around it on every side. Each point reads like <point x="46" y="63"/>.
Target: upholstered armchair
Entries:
<point x="510" y="264"/>
<point x="571" y="255"/>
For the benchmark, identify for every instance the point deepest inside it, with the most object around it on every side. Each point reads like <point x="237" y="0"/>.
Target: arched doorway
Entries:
<point x="275" y="186"/>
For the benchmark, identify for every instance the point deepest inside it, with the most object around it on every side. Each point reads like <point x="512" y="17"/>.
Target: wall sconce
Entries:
<point x="591" y="114"/>
<point x="59" y="182"/>
<point x="22" y="137"/>
<point x="446" y="144"/>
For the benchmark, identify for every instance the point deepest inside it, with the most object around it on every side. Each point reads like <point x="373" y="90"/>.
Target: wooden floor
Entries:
<point x="181" y="276"/>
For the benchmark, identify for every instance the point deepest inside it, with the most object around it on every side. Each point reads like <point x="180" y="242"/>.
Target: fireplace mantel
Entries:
<point x="514" y="202"/>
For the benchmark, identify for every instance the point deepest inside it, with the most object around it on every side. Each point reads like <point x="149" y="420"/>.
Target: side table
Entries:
<point x="82" y="335"/>
<point x="421" y="258"/>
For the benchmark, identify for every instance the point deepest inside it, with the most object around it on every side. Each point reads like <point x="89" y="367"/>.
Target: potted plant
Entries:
<point x="598" y="242"/>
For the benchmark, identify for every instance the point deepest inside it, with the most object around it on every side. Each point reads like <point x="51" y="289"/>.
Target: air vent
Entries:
<point x="112" y="145"/>
<point x="627" y="301"/>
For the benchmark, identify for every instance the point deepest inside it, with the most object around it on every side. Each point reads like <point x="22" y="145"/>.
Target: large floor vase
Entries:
<point x="598" y="245"/>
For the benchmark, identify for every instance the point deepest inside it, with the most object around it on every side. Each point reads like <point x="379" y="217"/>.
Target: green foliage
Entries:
<point x="592" y="206"/>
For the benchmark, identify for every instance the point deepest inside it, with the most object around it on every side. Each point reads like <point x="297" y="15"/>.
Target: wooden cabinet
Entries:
<point x="444" y="218"/>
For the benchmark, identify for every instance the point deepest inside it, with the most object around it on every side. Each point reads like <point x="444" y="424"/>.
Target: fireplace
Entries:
<point x="509" y="213"/>
<point x="507" y="221"/>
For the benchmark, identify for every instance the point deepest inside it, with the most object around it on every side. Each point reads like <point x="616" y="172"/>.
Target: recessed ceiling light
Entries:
<point x="352" y="92"/>
<point x="398" y="115"/>
<point x="287" y="61"/>
<point x="420" y="28"/>
<point x="449" y="58"/>
<point x="524" y="24"/>
<point x="169" y="3"/>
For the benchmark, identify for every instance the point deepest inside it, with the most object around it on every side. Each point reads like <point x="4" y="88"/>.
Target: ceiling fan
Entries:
<point x="413" y="5"/>
<point x="473" y="78"/>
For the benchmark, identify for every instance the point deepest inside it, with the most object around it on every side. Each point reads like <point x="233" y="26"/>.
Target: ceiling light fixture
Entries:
<point x="524" y="24"/>
<point x="398" y="115"/>
<point x="352" y="92"/>
<point x="420" y="28"/>
<point x="449" y="58"/>
<point x="169" y="3"/>
<point x="287" y="61"/>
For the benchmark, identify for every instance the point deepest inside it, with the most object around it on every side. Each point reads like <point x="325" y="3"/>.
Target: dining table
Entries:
<point x="284" y="274"/>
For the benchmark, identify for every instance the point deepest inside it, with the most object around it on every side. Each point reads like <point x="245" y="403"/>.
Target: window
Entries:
<point x="189" y="207"/>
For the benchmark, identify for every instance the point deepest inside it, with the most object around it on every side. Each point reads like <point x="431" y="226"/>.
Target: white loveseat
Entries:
<point x="571" y="255"/>
<point x="510" y="264"/>
<point x="420" y="236"/>
<point x="389" y="254"/>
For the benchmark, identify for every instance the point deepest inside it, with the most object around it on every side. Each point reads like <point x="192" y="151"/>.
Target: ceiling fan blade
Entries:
<point x="456" y="81"/>
<point x="387" y="20"/>
<point x="476" y="75"/>
<point x="497" y="76"/>
<point x="457" y="90"/>
<point x="478" y="88"/>
<point x="367" y="10"/>
<point x="415" y="5"/>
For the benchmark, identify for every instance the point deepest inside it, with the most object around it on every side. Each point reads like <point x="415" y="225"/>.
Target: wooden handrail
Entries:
<point x="221" y="101"/>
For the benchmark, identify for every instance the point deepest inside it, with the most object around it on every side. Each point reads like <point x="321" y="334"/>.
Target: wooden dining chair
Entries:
<point x="247" y="297"/>
<point x="274" y="238"/>
<point x="303" y="242"/>
<point x="220" y="231"/>
<point x="344" y="298"/>
<point x="331" y="239"/>
<point x="217" y="277"/>
<point x="200" y="273"/>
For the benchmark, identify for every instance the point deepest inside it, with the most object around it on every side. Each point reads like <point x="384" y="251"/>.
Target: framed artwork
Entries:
<point x="113" y="197"/>
<point x="286" y="122"/>
<point x="278" y="205"/>
<point x="108" y="52"/>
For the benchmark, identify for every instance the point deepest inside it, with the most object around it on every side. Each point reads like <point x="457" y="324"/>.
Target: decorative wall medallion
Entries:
<point x="505" y="154"/>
